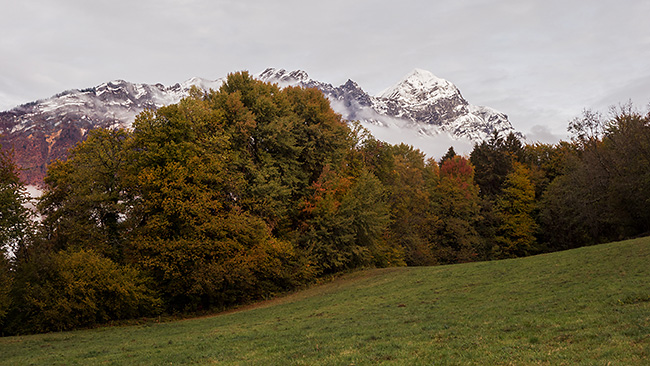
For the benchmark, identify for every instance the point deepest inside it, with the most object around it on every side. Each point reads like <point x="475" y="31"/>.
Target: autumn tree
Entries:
<point x="407" y="178"/>
<point x="346" y="219"/>
<point x="545" y="163"/>
<point x="200" y="177"/>
<point x="456" y="202"/>
<point x="84" y="197"/>
<point x="217" y="180"/>
<point x="514" y="208"/>
<point x="75" y="288"/>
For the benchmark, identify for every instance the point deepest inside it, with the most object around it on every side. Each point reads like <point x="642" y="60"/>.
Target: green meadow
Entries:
<point x="587" y="306"/>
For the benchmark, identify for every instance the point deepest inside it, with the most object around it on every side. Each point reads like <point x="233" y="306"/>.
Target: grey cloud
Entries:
<point x="540" y="62"/>
<point x="541" y="133"/>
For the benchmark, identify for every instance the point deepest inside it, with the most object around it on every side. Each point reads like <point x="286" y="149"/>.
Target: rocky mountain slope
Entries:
<point x="44" y="130"/>
<point x="421" y="104"/>
<point x="420" y="101"/>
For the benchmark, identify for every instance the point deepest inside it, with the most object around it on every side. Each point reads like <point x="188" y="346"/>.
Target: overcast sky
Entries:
<point x="541" y="62"/>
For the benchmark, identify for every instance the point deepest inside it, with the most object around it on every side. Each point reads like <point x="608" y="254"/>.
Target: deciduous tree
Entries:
<point x="514" y="208"/>
<point x="83" y="204"/>
<point x="456" y="202"/>
<point x="16" y="227"/>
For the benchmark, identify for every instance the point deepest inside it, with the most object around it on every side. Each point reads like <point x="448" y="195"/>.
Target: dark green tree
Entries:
<point x="493" y="161"/>
<point x="514" y="207"/>
<point x="16" y="226"/>
<point x="450" y="154"/>
<point x="71" y="289"/>
<point x="347" y="216"/>
<point x="455" y="200"/>
<point x="15" y="217"/>
<point x="84" y="201"/>
<point x="545" y="163"/>
<point x="604" y="191"/>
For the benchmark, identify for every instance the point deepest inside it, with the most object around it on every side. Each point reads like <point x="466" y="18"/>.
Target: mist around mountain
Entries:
<point x="421" y="110"/>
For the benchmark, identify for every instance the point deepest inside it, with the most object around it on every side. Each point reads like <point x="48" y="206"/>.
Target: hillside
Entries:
<point x="585" y="306"/>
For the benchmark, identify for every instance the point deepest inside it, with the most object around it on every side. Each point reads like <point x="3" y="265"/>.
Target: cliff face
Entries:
<point x="36" y="147"/>
<point x="43" y="131"/>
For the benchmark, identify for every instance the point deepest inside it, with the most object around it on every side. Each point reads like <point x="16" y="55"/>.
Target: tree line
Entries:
<point x="246" y="192"/>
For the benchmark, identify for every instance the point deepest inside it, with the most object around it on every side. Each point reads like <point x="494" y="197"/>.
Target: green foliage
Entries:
<point x="407" y="179"/>
<point x="15" y="218"/>
<point x="177" y="171"/>
<point x="280" y="140"/>
<point x="6" y="281"/>
<point x="456" y="201"/>
<point x="72" y="289"/>
<point x="492" y="163"/>
<point x="16" y="228"/>
<point x="605" y="190"/>
<point x="514" y="207"/>
<point x="434" y="210"/>
<point x="545" y="163"/>
<point x="234" y="261"/>
<point x="627" y="147"/>
<point x="346" y="217"/>
<point x="85" y="197"/>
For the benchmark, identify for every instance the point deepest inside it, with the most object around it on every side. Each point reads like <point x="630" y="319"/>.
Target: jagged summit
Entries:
<point x="282" y="77"/>
<point x="421" y="101"/>
<point x="421" y="104"/>
<point x="418" y="86"/>
<point x="201" y="83"/>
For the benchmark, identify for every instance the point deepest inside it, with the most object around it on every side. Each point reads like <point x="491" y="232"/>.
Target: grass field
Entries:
<point x="589" y="306"/>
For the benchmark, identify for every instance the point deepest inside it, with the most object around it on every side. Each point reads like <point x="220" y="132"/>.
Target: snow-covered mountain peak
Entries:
<point x="113" y="84"/>
<point x="418" y="86"/>
<point x="110" y="86"/>
<point x="351" y="85"/>
<point x="283" y="77"/>
<point x="424" y="77"/>
<point x="201" y="83"/>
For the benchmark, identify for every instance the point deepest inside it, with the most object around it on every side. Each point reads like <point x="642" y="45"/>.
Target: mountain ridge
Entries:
<point x="421" y="101"/>
<point x="420" y="104"/>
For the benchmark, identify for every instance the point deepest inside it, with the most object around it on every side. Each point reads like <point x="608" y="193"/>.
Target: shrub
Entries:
<point x="72" y="289"/>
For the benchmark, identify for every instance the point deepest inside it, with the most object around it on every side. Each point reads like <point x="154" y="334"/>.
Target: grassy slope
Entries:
<point x="589" y="306"/>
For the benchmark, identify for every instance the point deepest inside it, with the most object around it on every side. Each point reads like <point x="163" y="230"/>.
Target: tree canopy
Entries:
<point x="252" y="190"/>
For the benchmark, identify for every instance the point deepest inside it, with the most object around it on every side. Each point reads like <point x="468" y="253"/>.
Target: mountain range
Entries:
<point x="418" y="109"/>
